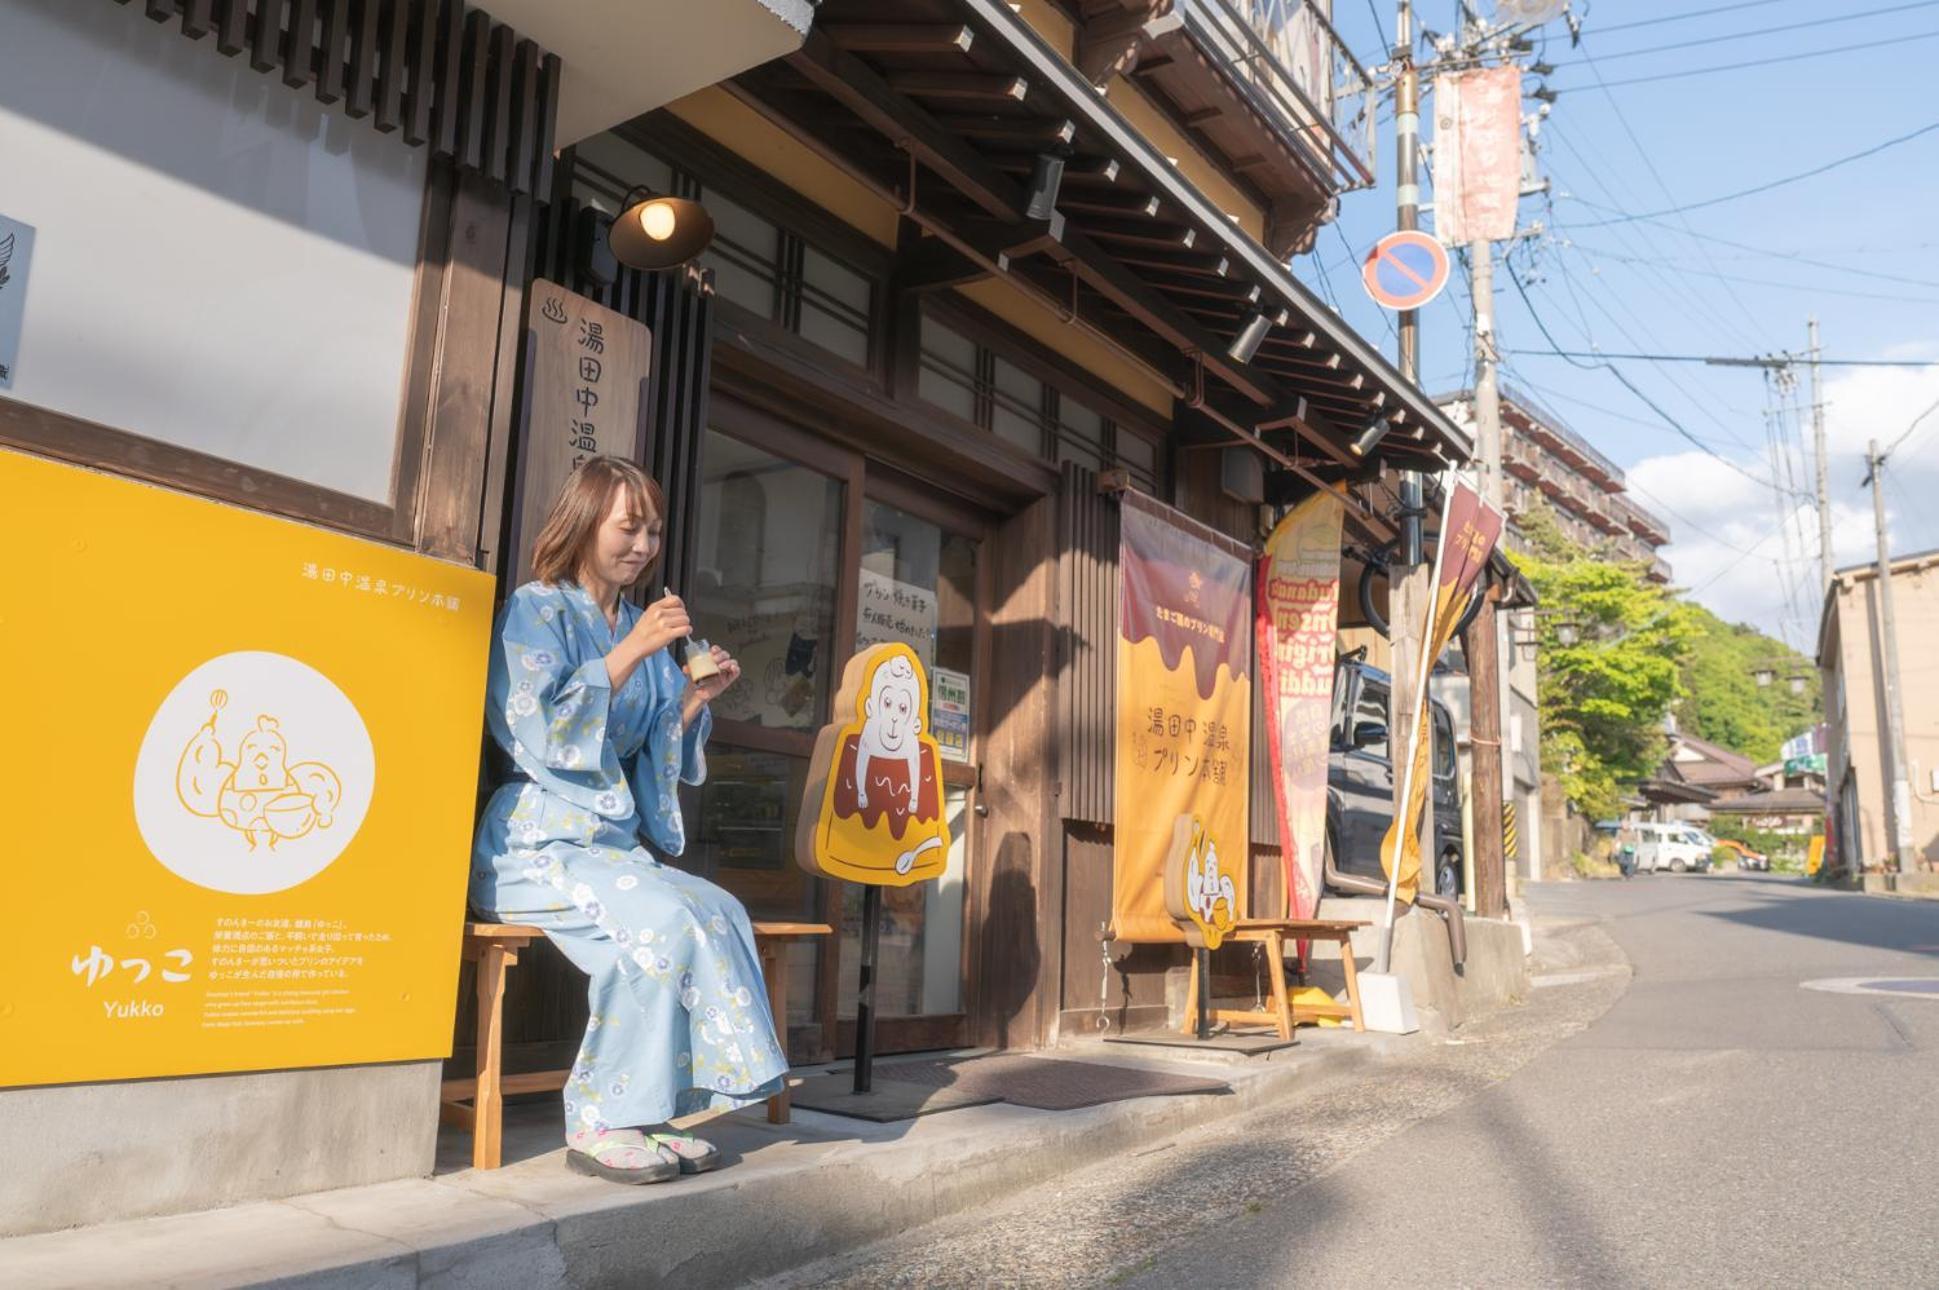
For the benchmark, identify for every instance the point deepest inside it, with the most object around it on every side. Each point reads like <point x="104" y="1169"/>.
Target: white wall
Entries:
<point x="217" y="263"/>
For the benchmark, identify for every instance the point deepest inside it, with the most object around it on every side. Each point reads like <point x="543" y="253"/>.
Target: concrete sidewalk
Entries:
<point x="790" y="1194"/>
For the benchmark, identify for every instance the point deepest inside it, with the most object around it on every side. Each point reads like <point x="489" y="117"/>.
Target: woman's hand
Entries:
<point x="660" y="624"/>
<point x="701" y="693"/>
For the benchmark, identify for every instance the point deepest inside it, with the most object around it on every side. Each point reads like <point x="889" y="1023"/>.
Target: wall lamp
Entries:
<point x="1252" y="334"/>
<point x="1370" y="437"/>
<point x="659" y="232"/>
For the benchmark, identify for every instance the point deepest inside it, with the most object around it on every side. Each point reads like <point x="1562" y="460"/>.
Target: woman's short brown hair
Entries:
<point x="582" y="506"/>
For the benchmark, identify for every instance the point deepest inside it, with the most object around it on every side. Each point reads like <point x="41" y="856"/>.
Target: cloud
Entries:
<point x="1730" y="532"/>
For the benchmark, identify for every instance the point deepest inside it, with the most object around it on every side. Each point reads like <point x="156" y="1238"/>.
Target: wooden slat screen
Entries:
<point x="446" y="75"/>
<point x="678" y="308"/>
<point x="1087" y="649"/>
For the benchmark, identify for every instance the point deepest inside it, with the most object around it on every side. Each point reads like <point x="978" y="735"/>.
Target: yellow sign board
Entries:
<point x="872" y="808"/>
<point x="241" y="785"/>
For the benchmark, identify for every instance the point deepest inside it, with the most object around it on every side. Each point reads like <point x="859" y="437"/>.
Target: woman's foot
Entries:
<point x="696" y="1155"/>
<point x="621" y="1156"/>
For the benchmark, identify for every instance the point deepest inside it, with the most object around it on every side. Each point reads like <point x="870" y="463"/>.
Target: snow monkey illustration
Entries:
<point x="891" y="730"/>
<point x="259" y="794"/>
<point x="875" y="808"/>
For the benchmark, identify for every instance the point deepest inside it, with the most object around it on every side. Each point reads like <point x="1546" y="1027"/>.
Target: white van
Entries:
<point x="1676" y="847"/>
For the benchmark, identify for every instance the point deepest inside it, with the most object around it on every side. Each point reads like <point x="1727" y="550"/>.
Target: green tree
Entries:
<point x="1603" y="694"/>
<point x="1722" y="701"/>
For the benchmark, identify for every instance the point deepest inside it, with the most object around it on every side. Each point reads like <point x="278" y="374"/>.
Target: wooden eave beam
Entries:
<point x="932" y="264"/>
<point x="901" y="38"/>
<point x="854" y="84"/>
<point x="960" y="87"/>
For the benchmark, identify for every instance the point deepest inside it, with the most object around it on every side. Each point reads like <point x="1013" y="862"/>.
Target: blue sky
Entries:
<point x="1648" y="147"/>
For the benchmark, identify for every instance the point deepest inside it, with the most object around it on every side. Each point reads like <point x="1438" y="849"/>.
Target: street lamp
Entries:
<point x="659" y="232"/>
<point x="1567" y="633"/>
<point x="1765" y="676"/>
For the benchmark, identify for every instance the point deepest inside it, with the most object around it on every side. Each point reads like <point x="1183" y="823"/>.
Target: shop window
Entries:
<point x="765" y="579"/>
<point x="758" y="264"/>
<point x="948" y="377"/>
<point x="834" y="306"/>
<point x="1018" y="414"/>
<point x="970" y="380"/>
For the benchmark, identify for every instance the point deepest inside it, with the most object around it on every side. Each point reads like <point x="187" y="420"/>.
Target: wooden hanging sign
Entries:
<point x="1200" y="894"/>
<point x="872" y="809"/>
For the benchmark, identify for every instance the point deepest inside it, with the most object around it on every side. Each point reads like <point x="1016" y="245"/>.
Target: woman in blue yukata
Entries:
<point x="602" y="728"/>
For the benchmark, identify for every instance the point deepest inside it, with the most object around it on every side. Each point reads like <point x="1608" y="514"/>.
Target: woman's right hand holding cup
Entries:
<point x="660" y="624"/>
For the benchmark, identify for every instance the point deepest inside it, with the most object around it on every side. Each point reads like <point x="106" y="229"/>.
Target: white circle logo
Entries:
<point x="254" y="775"/>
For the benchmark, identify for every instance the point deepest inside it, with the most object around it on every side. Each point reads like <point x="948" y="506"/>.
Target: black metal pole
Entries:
<point x="1202" y="964"/>
<point x="865" y="989"/>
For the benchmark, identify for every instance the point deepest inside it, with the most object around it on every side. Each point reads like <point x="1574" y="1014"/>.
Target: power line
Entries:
<point x="1743" y="35"/>
<point x="1874" y="150"/>
<point x="1792" y="257"/>
<point x="1649" y="161"/>
<point x="1772" y="282"/>
<point x="1715" y="360"/>
<point x="1684" y="17"/>
<point x="1633" y="388"/>
<point x="1766" y="62"/>
<point x="1907" y="432"/>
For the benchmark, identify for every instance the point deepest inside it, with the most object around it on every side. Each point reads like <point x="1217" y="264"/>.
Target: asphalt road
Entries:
<point x="1705" y="1121"/>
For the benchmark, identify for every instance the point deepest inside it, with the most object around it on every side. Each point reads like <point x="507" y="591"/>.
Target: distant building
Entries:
<point x="1857" y="759"/>
<point x="1545" y="462"/>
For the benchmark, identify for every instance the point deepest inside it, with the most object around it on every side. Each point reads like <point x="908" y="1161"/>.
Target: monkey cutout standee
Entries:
<point x="872" y="809"/>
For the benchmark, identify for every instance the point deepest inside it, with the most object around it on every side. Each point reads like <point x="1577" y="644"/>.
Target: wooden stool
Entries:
<point x="1273" y="933"/>
<point x="494" y="948"/>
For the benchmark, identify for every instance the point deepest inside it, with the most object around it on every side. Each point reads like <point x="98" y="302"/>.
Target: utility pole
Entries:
<point x="1487" y="387"/>
<point x="1824" y="470"/>
<point x="1407" y="575"/>
<point x="1899" y="800"/>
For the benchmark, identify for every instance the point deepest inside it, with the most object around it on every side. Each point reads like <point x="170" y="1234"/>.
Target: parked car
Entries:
<point x="1746" y="858"/>
<point x="1360" y="781"/>
<point x="1678" y="848"/>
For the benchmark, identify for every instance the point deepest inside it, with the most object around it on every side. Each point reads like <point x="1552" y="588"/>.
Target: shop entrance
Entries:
<point x="803" y="551"/>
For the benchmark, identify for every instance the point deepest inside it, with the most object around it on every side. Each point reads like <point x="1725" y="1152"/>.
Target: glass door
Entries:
<point x="916" y="582"/>
<point x="801" y="555"/>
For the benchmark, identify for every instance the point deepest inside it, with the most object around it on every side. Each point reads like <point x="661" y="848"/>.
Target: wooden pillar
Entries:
<point x="1485" y="759"/>
<point x="1017" y="899"/>
<point x="472" y="349"/>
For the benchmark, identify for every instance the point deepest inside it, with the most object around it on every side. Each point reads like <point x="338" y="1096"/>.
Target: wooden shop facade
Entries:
<point x="978" y="267"/>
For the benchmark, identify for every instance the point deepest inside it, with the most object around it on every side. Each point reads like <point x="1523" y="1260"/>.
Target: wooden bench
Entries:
<point x="1273" y="933"/>
<point x="494" y="948"/>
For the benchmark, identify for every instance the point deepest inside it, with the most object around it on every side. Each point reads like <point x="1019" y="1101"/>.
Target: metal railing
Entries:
<point x="1559" y="429"/>
<point x="1301" y="74"/>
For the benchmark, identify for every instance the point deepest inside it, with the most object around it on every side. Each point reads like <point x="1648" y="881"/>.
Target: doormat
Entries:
<point x="887" y="1101"/>
<point x="1046" y="1083"/>
<point x="1226" y="1042"/>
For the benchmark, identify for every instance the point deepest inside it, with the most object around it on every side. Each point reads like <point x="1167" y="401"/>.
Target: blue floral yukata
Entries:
<point x="680" y="1019"/>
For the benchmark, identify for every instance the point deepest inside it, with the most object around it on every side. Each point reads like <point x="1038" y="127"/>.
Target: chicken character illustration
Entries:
<point x="258" y="794"/>
<point x="876" y="811"/>
<point x="1199" y="895"/>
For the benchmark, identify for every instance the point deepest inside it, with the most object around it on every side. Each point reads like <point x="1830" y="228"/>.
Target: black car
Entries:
<point x="1360" y="780"/>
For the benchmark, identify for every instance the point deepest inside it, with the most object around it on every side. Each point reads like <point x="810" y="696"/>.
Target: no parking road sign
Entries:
<point x="1405" y="270"/>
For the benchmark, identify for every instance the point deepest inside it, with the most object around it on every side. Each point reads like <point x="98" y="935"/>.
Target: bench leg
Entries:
<point x="1276" y="969"/>
<point x="1352" y="971"/>
<point x="1190" y="1025"/>
<point x="774" y="967"/>
<point x="488" y="1106"/>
